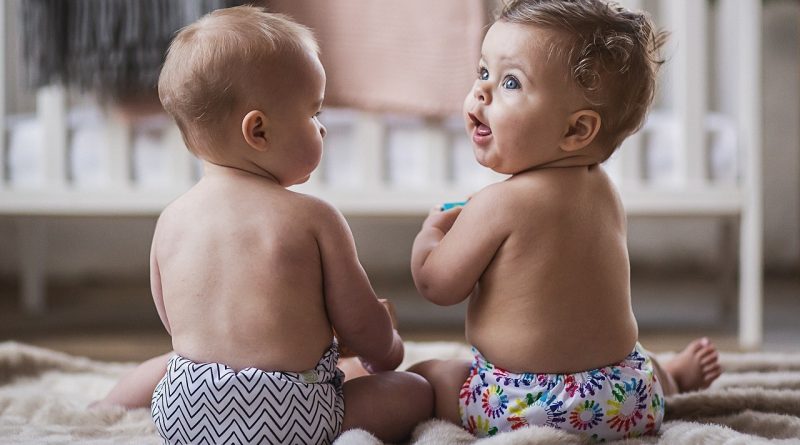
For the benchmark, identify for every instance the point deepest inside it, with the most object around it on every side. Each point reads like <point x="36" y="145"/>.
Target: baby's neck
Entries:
<point x="213" y="169"/>
<point x="572" y="162"/>
<point x="586" y="157"/>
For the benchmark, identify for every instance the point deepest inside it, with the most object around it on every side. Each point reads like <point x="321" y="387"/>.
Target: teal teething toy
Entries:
<point x="451" y="205"/>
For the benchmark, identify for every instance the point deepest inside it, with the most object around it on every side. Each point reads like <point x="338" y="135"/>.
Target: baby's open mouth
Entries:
<point x="481" y="129"/>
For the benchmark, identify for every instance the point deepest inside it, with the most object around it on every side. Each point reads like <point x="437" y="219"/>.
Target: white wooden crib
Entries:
<point x="692" y="158"/>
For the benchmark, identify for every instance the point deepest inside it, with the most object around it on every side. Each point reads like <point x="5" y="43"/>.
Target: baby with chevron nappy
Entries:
<point x="249" y="278"/>
<point x="542" y="256"/>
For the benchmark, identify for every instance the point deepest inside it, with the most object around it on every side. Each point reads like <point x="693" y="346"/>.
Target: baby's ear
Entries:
<point x="583" y="128"/>
<point x="254" y="130"/>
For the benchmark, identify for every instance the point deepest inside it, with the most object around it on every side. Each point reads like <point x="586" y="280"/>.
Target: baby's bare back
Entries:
<point x="241" y="277"/>
<point x="556" y="295"/>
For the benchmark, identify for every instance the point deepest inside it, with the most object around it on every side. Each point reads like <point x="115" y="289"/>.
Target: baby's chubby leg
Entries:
<point x="447" y="377"/>
<point x="388" y="404"/>
<point x="135" y="389"/>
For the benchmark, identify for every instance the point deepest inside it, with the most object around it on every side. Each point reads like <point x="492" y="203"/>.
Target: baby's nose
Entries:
<point x="322" y="130"/>
<point x="480" y="93"/>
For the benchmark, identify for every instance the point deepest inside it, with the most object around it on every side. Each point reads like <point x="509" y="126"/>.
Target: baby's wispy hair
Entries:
<point x="211" y="61"/>
<point x="611" y="53"/>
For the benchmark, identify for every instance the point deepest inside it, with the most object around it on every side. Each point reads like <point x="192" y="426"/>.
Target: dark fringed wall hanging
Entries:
<point x="113" y="48"/>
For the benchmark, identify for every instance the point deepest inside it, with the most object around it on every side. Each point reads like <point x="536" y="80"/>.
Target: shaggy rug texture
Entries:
<point x="44" y="394"/>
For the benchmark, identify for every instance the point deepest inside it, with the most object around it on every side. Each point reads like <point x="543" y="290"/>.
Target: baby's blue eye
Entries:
<point x="483" y="74"/>
<point x="511" y="83"/>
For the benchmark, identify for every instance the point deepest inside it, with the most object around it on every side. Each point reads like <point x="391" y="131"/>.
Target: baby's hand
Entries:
<point x="441" y="220"/>
<point x="395" y="356"/>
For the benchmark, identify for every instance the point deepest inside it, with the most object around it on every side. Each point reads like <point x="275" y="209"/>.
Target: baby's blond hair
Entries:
<point x="210" y="61"/>
<point x="611" y="54"/>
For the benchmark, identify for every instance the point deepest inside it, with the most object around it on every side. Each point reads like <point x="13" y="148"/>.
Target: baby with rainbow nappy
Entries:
<point x="542" y="256"/>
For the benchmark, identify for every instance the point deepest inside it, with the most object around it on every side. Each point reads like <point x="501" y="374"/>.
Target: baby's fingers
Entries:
<point x="435" y="209"/>
<point x="443" y="220"/>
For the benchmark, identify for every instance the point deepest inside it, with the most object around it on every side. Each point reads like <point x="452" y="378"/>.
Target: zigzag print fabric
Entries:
<point x="210" y="403"/>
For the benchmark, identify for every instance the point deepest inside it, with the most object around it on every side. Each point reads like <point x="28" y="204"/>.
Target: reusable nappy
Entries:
<point x="609" y="403"/>
<point x="211" y="403"/>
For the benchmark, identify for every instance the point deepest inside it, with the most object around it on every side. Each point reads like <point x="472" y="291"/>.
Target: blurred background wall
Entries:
<point x="116" y="249"/>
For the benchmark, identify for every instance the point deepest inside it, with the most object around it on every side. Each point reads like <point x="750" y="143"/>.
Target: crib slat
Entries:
<point x="687" y="21"/>
<point x="725" y="88"/>
<point x="748" y="116"/>
<point x="181" y="159"/>
<point x="630" y="162"/>
<point x="51" y="111"/>
<point x="369" y="140"/>
<point x="630" y="153"/>
<point x="118" y="135"/>
<point x="438" y="175"/>
<point x="3" y="99"/>
<point x="727" y="46"/>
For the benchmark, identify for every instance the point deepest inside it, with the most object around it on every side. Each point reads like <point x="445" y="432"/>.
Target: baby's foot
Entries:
<point x="696" y="367"/>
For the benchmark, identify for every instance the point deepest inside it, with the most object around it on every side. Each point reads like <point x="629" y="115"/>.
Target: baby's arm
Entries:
<point x="361" y="322"/>
<point x="344" y="350"/>
<point x="454" y="247"/>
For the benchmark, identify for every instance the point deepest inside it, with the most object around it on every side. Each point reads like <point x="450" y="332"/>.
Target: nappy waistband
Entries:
<point x="637" y="359"/>
<point x="324" y="372"/>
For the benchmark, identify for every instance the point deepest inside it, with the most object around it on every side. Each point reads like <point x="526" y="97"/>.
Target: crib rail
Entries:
<point x="379" y="165"/>
<point x="682" y="124"/>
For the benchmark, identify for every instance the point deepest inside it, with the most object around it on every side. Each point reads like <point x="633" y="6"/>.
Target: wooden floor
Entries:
<point x="119" y="323"/>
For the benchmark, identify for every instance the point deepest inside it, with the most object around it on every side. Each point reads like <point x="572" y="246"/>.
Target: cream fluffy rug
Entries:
<point x="43" y="395"/>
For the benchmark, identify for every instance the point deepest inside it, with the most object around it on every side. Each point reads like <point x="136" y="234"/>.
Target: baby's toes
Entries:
<point x="711" y="373"/>
<point x="699" y="346"/>
<point x="704" y="348"/>
<point x="709" y="358"/>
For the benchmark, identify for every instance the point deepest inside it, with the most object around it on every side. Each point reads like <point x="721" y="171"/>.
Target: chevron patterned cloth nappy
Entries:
<point x="617" y="401"/>
<point x="211" y="403"/>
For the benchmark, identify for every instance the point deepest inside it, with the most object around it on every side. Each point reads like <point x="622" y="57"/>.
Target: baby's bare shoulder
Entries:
<point x="277" y="209"/>
<point x="568" y="184"/>
<point x="315" y="208"/>
<point x="173" y="214"/>
<point x="506" y="206"/>
<point x="504" y="192"/>
<point x="319" y="217"/>
<point x="546" y="195"/>
<point x="519" y="191"/>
